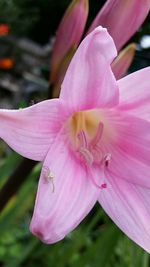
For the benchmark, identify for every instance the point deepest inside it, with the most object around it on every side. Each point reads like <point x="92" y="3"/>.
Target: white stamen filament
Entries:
<point x="82" y="139"/>
<point x="87" y="155"/>
<point x="98" y="136"/>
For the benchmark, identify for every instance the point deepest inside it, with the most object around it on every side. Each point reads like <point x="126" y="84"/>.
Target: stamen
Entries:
<point x="94" y="145"/>
<point x="98" y="136"/>
<point x="107" y="159"/>
<point x="102" y="186"/>
<point x="87" y="155"/>
<point x="97" y="154"/>
<point x="82" y="139"/>
<point x="49" y="177"/>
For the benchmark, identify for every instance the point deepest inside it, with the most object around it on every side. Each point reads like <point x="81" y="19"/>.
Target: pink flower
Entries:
<point x="95" y="144"/>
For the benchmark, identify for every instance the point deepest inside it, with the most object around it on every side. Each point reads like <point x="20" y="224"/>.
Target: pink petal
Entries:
<point x="129" y="146"/>
<point x="135" y="93"/>
<point x="89" y="81"/>
<point x="59" y="211"/>
<point x="69" y="33"/>
<point x="122" y="18"/>
<point x="128" y="206"/>
<point x="31" y="131"/>
<point x="121" y="64"/>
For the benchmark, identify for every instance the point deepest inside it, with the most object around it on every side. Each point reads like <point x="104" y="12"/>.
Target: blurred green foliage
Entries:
<point x="37" y="19"/>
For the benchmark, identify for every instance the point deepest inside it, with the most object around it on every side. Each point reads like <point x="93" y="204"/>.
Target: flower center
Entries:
<point x="89" y="138"/>
<point x="86" y="134"/>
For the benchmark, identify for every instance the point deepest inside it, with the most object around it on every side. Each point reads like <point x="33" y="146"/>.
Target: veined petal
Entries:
<point x="135" y="93"/>
<point x="128" y="206"/>
<point x="117" y="14"/>
<point x="63" y="202"/>
<point x="129" y="146"/>
<point x="123" y="61"/>
<point x="31" y="131"/>
<point x="89" y="81"/>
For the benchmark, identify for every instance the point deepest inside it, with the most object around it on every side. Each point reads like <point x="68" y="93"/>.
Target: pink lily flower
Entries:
<point x="122" y="18"/>
<point x="69" y="34"/>
<point x="94" y="141"/>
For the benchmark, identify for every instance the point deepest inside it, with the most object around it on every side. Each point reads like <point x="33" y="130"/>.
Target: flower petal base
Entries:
<point x="86" y="130"/>
<point x="88" y="137"/>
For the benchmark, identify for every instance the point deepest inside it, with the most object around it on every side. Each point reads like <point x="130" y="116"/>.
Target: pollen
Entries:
<point x="49" y="176"/>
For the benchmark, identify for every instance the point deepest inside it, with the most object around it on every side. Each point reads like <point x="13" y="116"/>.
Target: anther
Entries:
<point x="100" y="186"/>
<point x="49" y="176"/>
<point x="107" y="159"/>
<point x="103" y="186"/>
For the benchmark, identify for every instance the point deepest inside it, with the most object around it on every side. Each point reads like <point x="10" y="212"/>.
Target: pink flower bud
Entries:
<point x="69" y="33"/>
<point x="122" y="18"/>
<point x="123" y="61"/>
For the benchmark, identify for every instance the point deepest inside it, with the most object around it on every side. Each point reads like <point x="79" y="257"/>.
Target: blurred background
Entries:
<point x="25" y="51"/>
